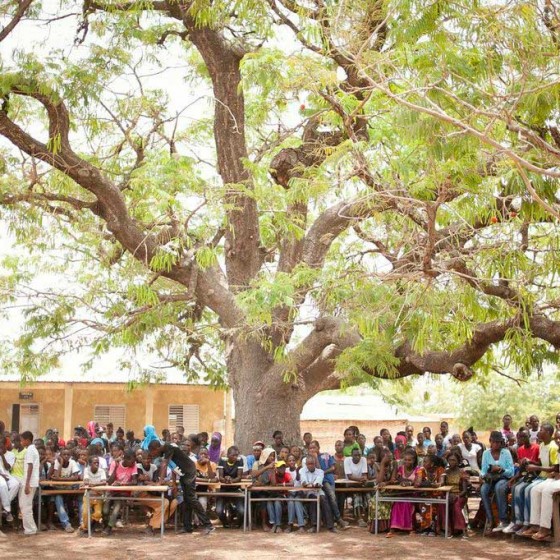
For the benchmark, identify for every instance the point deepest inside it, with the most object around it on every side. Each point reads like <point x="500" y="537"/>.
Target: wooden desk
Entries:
<point x="284" y="490"/>
<point x="65" y="488"/>
<point x="215" y="489"/>
<point x="348" y="486"/>
<point x="414" y="498"/>
<point x="132" y="488"/>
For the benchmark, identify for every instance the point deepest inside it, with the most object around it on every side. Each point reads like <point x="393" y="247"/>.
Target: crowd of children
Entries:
<point x="517" y="475"/>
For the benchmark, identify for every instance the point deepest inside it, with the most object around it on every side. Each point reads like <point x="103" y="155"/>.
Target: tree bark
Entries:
<point x="261" y="409"/>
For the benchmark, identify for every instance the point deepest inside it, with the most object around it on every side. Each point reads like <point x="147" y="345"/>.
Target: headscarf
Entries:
<point x="149" y="436"/>
<point x="215" y="450"/>
<point x="96" y="441"/>
<point x="397" y="453"/>
<point x="265" y="455"/>
<point x="91" y="429"/>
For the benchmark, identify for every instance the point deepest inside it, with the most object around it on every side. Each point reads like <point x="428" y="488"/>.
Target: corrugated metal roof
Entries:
<point x="362" y="407"/>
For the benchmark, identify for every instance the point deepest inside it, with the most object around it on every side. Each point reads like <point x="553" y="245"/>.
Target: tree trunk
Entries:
<point x="263" y="401"/>
<point x="260" y="412"/>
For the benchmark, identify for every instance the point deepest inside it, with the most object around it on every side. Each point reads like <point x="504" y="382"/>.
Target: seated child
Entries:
<point x="230" y="471"/>
<point x="148" y="474"/>
<point x="122" y="472"/>
<point x="94" y="475"/>
<point x="64" y="469"/>
<point x="456" y="477"/>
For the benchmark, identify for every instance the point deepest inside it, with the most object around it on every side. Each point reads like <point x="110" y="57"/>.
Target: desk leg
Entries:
<point x="162" y="522"/>
<point x="88" y="509"/>
<point x="318" y="511"/>
<point x="446" y="513"/>
<point x="376" y="510"/>
<point x="249" y="512"/>
<point x="39" y="508"/>
<point x="245" y="511"/>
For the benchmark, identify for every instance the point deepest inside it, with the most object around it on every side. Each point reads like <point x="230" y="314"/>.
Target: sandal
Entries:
<point x="540" y="536"/>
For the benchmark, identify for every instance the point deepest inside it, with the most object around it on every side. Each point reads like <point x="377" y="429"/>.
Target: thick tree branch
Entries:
<point x="222" y="59"/>
<point x="327" y="331"/>
<point x="23" y="5"/>
<point x="111" y="207"/>
<point x="502" y="290"/>
<point x="323" y="346"/>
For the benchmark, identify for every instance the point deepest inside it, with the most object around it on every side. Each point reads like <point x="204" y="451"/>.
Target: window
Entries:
<point x="186" y="415"/>
<point x="29" y="410"/>
<point x="110" y="413"/>
<point x="29" y="418"/>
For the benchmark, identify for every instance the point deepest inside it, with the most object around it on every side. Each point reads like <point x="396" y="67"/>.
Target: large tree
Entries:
<point x="370" y="194"/>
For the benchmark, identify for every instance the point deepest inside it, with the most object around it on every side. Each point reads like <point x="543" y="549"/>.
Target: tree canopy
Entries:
<point x="284" y="194"/>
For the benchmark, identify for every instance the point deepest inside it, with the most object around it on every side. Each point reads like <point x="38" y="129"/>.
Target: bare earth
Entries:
<point x="128" y="544"/>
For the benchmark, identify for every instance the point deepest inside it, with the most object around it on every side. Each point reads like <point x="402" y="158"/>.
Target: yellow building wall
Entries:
<point x="87" y="397"/>
<point x="210" y="402"/>
<point x="49" y="398"/>
<point x="66" y="405"/>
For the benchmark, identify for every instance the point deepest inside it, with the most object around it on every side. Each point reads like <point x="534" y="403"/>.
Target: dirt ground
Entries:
<point x="354" y="543"/>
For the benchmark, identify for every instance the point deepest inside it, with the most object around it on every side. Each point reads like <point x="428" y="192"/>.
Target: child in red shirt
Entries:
<point x="122" y="472"/>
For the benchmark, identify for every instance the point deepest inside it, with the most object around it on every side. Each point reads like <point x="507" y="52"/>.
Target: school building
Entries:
<point x="64" y="405"/>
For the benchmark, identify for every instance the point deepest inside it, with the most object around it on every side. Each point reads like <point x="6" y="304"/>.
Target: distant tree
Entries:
<point x="484" y="406"/>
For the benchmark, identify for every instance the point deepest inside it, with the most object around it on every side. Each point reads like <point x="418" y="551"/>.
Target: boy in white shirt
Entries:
<point x="356" y="470"/>
<point x="30" y="483"/>
<point x="93" y="476"/>
<point x="64" y="469"/>
<point x="311" y="482"/>
<point x="9" y="486"/>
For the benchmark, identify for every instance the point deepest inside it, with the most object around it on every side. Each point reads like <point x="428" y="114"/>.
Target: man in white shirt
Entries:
<point x="355" y="469"/>
<point x="470" y="451"/>
<point x="30" y="483"/>
<point x="410" y="439"/>
<point x="444" y="431"/>
<point x="311" y="482"/>
<point x="9" y="486"/>
<point x="534" y="428"/>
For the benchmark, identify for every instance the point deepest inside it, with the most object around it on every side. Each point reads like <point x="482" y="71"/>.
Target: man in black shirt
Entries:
<point x="230" y="471"/>
<point x="186" y="470"/>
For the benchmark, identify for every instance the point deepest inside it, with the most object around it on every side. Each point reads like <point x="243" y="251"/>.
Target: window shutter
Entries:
<point x="103" y="414"/>
<point x="186" y="415"/>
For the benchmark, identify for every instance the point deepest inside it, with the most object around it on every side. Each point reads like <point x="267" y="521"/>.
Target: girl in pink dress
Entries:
<point x="402" y="512"/>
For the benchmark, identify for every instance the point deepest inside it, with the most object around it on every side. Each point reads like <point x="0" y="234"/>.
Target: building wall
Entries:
<point x="49" y="399"/>
<point x="66" y="405"/>
<point x="211" y="403"/>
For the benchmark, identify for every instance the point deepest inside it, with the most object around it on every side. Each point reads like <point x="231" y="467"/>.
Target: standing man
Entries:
<point x="410" y="439"/>
<point x="278" y="442"/>
<point x="30" y="483"/>
<point x="186" y="470"/>
<point x="444" y="431"/>
<point x="109" y="436"/>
